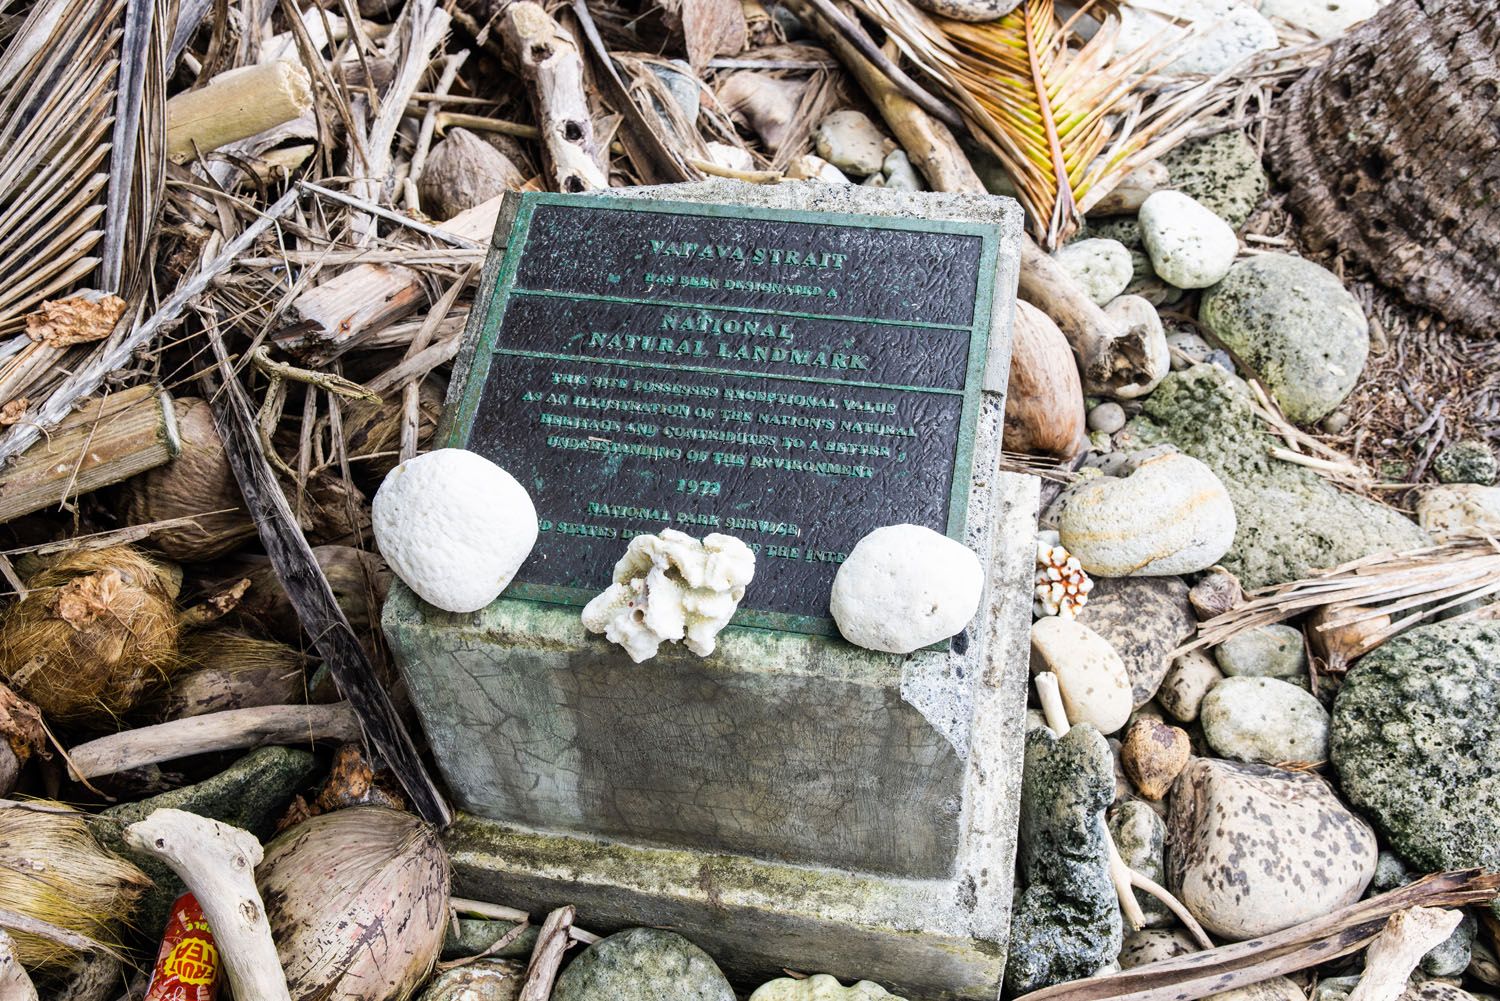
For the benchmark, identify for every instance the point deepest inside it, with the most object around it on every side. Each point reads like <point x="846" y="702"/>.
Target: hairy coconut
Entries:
<point x="96" y="630"/>
<point x="199" y="480"/>
<point x="52" y="869"/>
<point x="359" y="580"/>
<point x="229" y="669"/>
<point x="358" y="904"/>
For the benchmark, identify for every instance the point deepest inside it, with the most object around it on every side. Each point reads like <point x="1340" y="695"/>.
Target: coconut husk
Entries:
<point x="96" y="631"/>
<point x="229" y="669"/>
<point x="351" y="782"/>
<point x="358" y="903"/>
<point x="53" y="870"/>
<point x="359" y="580"/>
<point x="372" y="431"/>
<point x="198" y="481"/>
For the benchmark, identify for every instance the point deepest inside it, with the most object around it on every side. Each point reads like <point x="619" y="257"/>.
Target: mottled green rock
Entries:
<point x="475" y="936"/>
<point x="642" y="964"/>
<point x="1467" y="461"/>
<point x="1067" y="919"/>
<point x="1295" y="325"/>
<point x="1290" y="520"/>
<point x="1141" y="837"/>
<point x="1221" y="172"/>
<point x="1274" y="651"/>
<point x="1416" y="741"/>
<point x="251" y="793"/>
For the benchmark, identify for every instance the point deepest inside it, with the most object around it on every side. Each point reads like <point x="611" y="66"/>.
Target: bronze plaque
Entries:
<point x="795" y="379"/>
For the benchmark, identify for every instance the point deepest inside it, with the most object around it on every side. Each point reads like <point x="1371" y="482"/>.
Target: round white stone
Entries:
<point x="904" y="587"/>
<point x="454" y="526"/>
<point x="1101" y="267"/>
<point x="1189" y="246"/>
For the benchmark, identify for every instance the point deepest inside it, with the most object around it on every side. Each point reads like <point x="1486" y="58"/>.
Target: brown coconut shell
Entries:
<point x="199" y="480"/>
<point x="52" y="869"/>
<point x="372" y="431"/>
<point x="229" y="669"/>
<point x="96" y="631"/>
<point x="358" y="904"/>
<point x="359" y="580"/>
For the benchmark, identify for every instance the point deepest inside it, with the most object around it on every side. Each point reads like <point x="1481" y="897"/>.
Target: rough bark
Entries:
<point x="1391" y="149"/>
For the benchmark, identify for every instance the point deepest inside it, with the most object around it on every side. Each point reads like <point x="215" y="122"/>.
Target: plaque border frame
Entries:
<point x="482" y="333"/>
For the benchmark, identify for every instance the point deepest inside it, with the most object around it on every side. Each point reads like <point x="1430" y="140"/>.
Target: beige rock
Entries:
<point x="1256" y="849"/>
<point x="1187" y="682"/>
<point x="1090" y="674"/>
<point x="850" y="141"/>
<point x="1170" y="515"/>
<point x="1153" y="754"/>
<point x="1460" y="509"/>
<point x="809" y="167"/>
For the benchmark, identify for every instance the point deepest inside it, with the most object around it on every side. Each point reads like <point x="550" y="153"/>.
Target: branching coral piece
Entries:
<point x="671" y="587"/>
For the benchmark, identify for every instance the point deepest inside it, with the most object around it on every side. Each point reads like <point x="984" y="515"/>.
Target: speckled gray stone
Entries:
<point x="1067" y="919"/>
<point x="1141" y="837"/>
<point x="1296" y="325"/>
<point x="1416" y="741"/>
<point x="1254" y="849"/>
<point x="1468" y="461"/>
<point x="642" y="964"/>
<point x="1274" y="651"/>
<point x="1290" y="521"/>
<point x="1264" y="720"/>
<point x="1102" y="267"/>
<point x="1222" y="172"/>
<point x="1144" y="619"/>
<point x="475" y="936"/>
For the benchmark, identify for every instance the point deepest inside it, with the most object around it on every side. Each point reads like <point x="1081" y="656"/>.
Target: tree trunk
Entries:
<point x="1391" y="150"/>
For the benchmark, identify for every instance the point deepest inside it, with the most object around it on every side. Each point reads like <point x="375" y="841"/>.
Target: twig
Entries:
<point x="485" y="909"/>
<point x="547" y="955"/>
<point x="46" y="929"/>
<point x="452" y="239"/>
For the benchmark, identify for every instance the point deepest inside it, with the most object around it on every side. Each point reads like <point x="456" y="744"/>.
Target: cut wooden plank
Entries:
<point x="108" y="440"/>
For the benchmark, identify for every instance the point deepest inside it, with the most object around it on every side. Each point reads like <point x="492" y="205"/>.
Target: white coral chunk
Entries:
<point x="672" y="588"/>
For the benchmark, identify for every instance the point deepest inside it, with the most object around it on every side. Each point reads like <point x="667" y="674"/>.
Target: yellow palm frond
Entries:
<point x="1067" y="116"/>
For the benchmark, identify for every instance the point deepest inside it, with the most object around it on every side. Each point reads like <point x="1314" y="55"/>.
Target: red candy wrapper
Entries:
<point x="187" y="965"/>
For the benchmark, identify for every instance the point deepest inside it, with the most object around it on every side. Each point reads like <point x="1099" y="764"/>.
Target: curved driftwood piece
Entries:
<point x="217" y="863"/>
<point x="15" y="985"/>
<point x="228" y="730"/>
<point x="1393" y="158"/>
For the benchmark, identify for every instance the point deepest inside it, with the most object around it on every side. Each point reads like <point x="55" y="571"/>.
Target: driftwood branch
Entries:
<point x="1407" y="937"/>
<point x="544" y="54"/>
<point x="308" y="589"/>
<point x="235" y="106"/>
<point x="217" y="862"/>
<point x="1229" y="967"/>
<point x="547" y="955"/>
<point x="221" y="731"/>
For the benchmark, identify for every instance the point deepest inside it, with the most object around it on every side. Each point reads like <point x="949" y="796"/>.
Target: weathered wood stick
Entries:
<point x="108" y="440"/>
<point x="15" y="985"/>
<point x="1346" y="930"/>
<point x="366" y="298"/>
<point x="217" y="863"/>
<point x="236" y="105"/>
<point x="222" y="731"/>
<point x="545" y="55"/>
<point x="547" y="956"/>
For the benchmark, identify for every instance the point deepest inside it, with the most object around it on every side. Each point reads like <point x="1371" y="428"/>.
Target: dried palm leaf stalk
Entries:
<point x="1380" y="595"/>
<point x="1067" y="116"/>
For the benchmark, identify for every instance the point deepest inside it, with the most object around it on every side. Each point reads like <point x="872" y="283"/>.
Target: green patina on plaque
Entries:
<point x="792" y="378"/>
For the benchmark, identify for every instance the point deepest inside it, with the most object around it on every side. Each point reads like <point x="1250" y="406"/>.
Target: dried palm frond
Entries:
<point x="1067" y="117"/>
<point x="1370" y="593"/>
